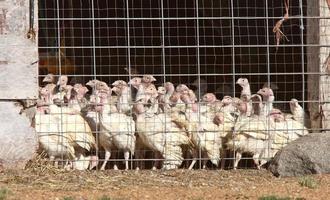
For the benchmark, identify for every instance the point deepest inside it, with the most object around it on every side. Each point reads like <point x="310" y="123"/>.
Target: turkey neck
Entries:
<point x="154" y="107"/>
<point x="259" y="109"/>
<point x="191" y="108"/>
<point x="106" y="108"/>
<point x="269" y="104"/>
<point x="297" y="110"/>
<point x="46" y="99"/>
<point x="140" y="91"/>
<point x="140" y="112"/>
<point x="169" y="92"/>
<point x="246" y="90"/>
<point x="124" y="98"/>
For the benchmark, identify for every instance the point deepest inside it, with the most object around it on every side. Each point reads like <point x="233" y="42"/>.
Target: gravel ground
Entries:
<point x="178" y="184"/>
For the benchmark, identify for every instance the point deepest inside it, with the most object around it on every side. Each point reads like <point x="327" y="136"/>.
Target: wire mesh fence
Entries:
<point x="216" y="80"/>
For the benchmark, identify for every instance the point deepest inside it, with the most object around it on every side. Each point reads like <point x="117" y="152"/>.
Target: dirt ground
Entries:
<point x="178" y="184"/>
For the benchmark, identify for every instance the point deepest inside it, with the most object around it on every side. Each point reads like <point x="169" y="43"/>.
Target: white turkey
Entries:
<point x="252" y="135"/>
<point x="76" y="128"/>
<point x="136" y="82"/>
<point x="170" y="89"/>
<point x="147" y="80"/>
<point x="244" y="83"/>
<point x="298" y="113"/>
<point x="229" y="109"/>
<point x="268" y="98"/>
<point x="285" y="129"/>
<point x="242" y="107"/>
<point x="182" y="88"/>
<point x="152" y="99"/>
<point x="210" y="105"/>
<point x="204" y="133"/>
<point x="245" y="94"/>
<point x="61" y="89"/>
<point x="80" y="92"/>
<point x="160" y="134"/>
<point x="50" y="81"/>
<point x="117" y="130"/>
<point x="56" y="145"/>
<point x="49" y="78"/>
<point x="146" y="94"/>
<point x="57" y="129"/>
<point x="179" y="105"/>
<point x="161" y="99"/>
<point x="228" y="104"/>
<point x="92" y="116"/>
<point x="92" y="83"/>
<point x="225" y="120"/>
<point x="123" y="91"/>
<point x="62" y="82"/>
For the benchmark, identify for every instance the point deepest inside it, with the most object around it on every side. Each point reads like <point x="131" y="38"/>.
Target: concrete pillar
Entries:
<point x="18" y="81"/>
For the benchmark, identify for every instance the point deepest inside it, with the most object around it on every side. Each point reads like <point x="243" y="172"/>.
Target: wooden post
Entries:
<point x="313" y="63"/>
<point x="324" y="34"/>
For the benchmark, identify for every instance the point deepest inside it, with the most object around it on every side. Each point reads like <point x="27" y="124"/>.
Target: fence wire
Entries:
<point x="208" y="46"/>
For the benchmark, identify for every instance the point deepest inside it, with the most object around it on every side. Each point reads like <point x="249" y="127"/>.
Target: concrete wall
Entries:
<point x="18" y="80"/>
<point x="18" y="54"/>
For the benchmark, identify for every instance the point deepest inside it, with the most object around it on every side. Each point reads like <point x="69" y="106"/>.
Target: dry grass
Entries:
<point x="4" y="193"/>
<point x="272" y="197"/>
<point x="40" y="180"/>
<point x="309" y="182"/>
<point x="41" y="164"/>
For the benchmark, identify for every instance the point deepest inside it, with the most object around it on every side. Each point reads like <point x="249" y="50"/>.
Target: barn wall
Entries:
<point x="18" y="54"/>
<point x="324" y="53"/>
<point x="313" y="63"/>
<point x="18" y="80"/>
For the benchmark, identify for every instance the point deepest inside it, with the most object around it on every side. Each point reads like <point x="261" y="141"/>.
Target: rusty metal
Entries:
<point x="31" y="34"/>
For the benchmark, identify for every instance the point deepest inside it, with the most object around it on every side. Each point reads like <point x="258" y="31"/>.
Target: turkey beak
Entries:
<point x="153" y="79"/>
<point x="115" y="90"/>
<point x="76" y="90"/>
<point x="89" y="84"/>
<point x="260" y="92"/>
<point x="46" y="79"/>
<point x="129" y="82"/>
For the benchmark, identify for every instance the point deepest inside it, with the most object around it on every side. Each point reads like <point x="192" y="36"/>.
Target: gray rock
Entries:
<point x="307" y="155"/>
<point x="18" y="140"/>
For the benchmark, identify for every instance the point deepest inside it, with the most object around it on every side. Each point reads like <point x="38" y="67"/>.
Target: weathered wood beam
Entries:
<point x="313" y="63"/>
<point x="324" y="33"/>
